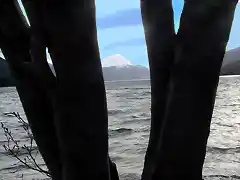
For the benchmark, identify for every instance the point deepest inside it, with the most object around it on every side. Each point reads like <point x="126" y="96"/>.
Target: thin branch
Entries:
<point x="29" y="161"/>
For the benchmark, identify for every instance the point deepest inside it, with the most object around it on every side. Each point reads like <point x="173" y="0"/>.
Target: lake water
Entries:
<point x="129" y="123"/>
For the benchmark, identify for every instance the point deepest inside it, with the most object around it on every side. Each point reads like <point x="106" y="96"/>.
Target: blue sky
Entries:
<point x="120" y="29"/>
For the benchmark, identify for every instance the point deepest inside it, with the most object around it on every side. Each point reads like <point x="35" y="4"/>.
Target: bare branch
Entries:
<point x="13" y="147"/>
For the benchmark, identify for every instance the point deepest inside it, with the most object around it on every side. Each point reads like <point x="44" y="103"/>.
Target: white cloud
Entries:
<point x="115" y="60"/>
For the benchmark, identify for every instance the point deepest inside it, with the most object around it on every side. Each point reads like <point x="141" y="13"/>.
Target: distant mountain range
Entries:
<point x="127" y="71"/>
<point x="231" y="62"/>
<point x="111" y="73"/>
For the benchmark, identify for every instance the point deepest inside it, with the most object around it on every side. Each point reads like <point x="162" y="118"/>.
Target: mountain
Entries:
<point x="117" y="67"/>
<point x="5" y="75"/>
<point x="122" y="72"/>
<point x="115" y="60"/>
<point x="231" y="62"/>
<point x="127" y="72"/>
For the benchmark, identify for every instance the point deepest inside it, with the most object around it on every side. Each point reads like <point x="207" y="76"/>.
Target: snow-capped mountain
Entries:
<point x="115" y="60"/>
<point x="117" y="67"/>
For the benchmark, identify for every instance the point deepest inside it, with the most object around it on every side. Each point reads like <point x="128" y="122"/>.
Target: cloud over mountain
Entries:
<point x="118" y="68"/>
<point x="115" y="60"/>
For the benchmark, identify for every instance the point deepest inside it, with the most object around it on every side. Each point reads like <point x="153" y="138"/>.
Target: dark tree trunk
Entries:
<point x="67" y="115"/>
<point x="15" y="45"/>
<point x="179" y="141"/>
<point x="157" y="16"/>
<point x="68" y="29"/>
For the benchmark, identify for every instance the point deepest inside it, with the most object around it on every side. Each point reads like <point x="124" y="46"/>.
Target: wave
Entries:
<point x="120" y="131"/>
<point x="221" y="124"/>
<point x="14" y="168"/>
<point x="2" y="142"/>
<point x="142" y="115"/>
<point x="222" y="177"/>
<point x="137" y="120"/>
<point x="129" y="176"/>
<point x="223" y="150"/>
<point x="135" y="88"/>
<point x="137" y="98"/>
<point x="21" y="151"/>
<point x="113" y="112"/>
<point x="8" y="114"/>
<point x="135" y="176"/>
<point x="18" y="167"/>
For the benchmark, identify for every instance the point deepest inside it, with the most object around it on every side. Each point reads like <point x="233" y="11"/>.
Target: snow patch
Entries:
<point x="115" y="60"/>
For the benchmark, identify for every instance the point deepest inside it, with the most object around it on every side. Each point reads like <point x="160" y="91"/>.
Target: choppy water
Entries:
<point x="129" y="122"/>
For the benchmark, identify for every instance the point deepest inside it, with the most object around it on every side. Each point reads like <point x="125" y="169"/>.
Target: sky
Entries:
<point x="120" y="30"/>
